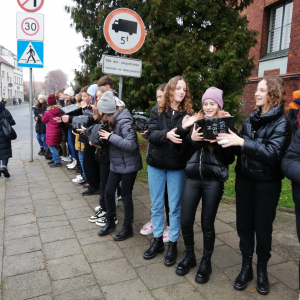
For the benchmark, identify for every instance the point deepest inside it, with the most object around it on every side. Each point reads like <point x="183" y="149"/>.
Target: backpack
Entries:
<point x="48" y="154"/>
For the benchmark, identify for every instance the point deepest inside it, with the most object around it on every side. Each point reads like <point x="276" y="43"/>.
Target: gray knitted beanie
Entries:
<point x="107" y="103"/>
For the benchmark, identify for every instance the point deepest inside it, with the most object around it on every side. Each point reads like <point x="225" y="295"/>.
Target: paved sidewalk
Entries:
<point x="51" y="251"/>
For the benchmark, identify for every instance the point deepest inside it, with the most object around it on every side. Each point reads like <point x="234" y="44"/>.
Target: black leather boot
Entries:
<point x="262" y="287"/>
<point x="171" y="255"/>
<point x="245" y="275"/>
<point x="125" y="233"/>
<point x="156" y="247"/>
<point x="189" y="261"/>
<point x="204" y="270"/>
<point x="42" y="151"/>
<point x="109" y="226"/>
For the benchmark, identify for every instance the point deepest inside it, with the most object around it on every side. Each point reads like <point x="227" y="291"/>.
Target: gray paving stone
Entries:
<point x="221" y="227"/>
<point x="120" y="270"/>
<point x="287" y="273"/>
<point x="274" y="260"/>
<point x="71" y="284"/>
<point x="55" y="221"/>
<point x="23" y="263"/>
<point x="138" y="240"/>
<point x="23" y="245"/>
<point x="141" y="213"/>
<point x="158" y="275"/>
<point x="179" y="291"/>
<point x="54" y="179"/>
<point x="230" y="238"/>
<point x="26" y="286"/>
<point x="17" y="194"/>
<point x="18" y="210"/>
<point x="139" y="191"/>
<point x="74" y="204"/>
<point x="1" y="211"/>
<point x="84" y="224"/>
<point x="86" y="293"/>
<point x="15" y="183"/>
<point x="46" y="297"/>
<point x="144" y="198"/>
<point x="129" y="290"/>
<point x="61" y="249"/>
<point x="65" y="184"/>
<point x="18" y="202"/>
<point x="41" y="188"/>
<point x="227" y="217"/>
<point x="88" y="237"/>
<point x="67" y="267"/>
<point x="77" y="213"/>
<point x="17" y="232"/>
<point x="135" y="256"/>
<point x="49" y="211"/>
<point x="101" y="251"/>
<point x="64" y="190"/>
<point x="56" y="234"/>
<point x="18" y="220"/>
<point x="232" y="258"/>
<point x="43" y="195"/>
<point x="46" y="203"/>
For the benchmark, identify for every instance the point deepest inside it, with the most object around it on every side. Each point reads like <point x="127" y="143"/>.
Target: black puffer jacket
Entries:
<point x="267" y="137"/>
<point x="290" y="164"/>
<point x="205" y="164"/>
<point x="5" y="144"/>
<point x="40" y="127"/>
<point x="162" y="153"/>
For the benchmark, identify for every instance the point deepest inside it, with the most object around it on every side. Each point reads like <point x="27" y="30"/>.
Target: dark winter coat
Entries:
<point x="162" y="153"/>
<point x="83" y="138"/>
<point x="267" y="137"/>
<point x="5" y="144"/>
<point x="290" y="164"/>
<point x="124" y="149"/>
<point x="53" y="132"/>
<point x="293" y="113"/>
<point x="205" y="164"/>
<point x="40" y="127"/>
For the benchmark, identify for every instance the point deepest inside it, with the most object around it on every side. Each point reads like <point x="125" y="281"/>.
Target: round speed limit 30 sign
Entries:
<point x="30" y="26"/>
<point x="124" y="31"/>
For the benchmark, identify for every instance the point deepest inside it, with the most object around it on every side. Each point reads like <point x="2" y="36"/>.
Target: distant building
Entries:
<point x="278" y="48"/>
<point x="37" y="88"/>
<point x="11" y="76"/>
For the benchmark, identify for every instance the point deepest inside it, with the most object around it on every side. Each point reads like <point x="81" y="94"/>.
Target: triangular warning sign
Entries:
<point x="30" y="56"/>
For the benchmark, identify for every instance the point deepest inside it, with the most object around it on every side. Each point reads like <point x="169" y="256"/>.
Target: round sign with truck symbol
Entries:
<point x="124" y="31"/>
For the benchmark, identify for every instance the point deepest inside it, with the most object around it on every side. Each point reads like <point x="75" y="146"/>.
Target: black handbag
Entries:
<point x="140" y="123"/>
<point x="94" y="136"/>
<point x="8" y="131"/>
<point x="211" y="127"/>
<point x="79" y="121"/>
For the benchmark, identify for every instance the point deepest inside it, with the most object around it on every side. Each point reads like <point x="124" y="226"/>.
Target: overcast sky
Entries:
<point x="60" y="39"/>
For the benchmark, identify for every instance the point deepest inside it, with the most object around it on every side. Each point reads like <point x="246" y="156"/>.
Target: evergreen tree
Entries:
<point x="179" y="40"/>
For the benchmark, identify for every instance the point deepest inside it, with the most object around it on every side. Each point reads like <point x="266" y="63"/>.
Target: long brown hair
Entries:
<point x="168" y="96"/>
<point x="109" y="120"/>
<point x="40" y="105"/>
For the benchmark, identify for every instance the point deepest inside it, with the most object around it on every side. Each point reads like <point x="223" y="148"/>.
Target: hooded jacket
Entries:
<point x="124" y="149"/>
<point x="5" y="144"/>
<point x="53" y="132"/>
<point x="267" y="137"/>
<point x="162" y="153"/>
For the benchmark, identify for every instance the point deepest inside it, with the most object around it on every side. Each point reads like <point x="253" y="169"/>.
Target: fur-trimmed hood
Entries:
<point x="54" y="106"/>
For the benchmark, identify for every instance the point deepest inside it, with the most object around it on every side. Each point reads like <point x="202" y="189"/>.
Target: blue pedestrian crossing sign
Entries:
<point x="30" y="54"/>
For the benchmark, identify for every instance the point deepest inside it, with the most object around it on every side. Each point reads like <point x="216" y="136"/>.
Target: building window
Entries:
<point x="280" y="27"/>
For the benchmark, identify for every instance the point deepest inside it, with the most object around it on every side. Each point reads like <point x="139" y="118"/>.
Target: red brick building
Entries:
<point x="278" y="48"/>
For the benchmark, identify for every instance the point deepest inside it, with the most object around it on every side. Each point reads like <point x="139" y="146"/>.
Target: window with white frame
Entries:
<point x="280" y="27"/>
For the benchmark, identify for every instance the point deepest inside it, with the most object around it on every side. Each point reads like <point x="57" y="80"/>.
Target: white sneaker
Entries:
<point x="77" y="179"/>
<point x="68" y="159"/>
<point x="102" y="221"/>
<point x="147" y="228"/>
<point x="63" y="157"/>
<point x="73" y="164"/>
<point x="98" y="215"/>
<point x="97" y="208"/>
<point x="166" y="235"/>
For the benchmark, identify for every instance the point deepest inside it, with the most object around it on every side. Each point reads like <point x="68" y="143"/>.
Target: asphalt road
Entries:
<point x="22" y="117"/>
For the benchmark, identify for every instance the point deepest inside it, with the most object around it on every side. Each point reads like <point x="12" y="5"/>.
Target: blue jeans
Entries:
<point x="41" y="137"/>
<point x="157" y="182"/>
<point x="4" y="162"/>
<point x="55" y="155"/>
<point x="80" y="156"/>
<point x="70" y="143"/>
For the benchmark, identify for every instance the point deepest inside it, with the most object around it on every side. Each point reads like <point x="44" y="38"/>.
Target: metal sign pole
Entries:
<point x="120" y="87"/>
<point x="30" y="115"/>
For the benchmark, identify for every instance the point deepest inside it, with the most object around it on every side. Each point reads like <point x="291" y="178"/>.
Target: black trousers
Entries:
<point x="104" y="172"/>
<point x="91" y="166"/>
<point x="296" y="198"/>
<point x="127" y="187"/>
<point x="256" y="203"/>
<point x="211" y="192"/>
